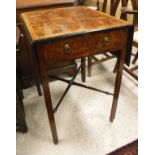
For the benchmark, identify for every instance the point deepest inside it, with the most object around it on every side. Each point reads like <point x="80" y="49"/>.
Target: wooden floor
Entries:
<point x="129" y="149"/>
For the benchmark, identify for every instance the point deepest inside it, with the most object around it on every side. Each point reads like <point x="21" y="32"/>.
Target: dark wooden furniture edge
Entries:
<point x="38" y="6"/>
<point x="126" y="149"/>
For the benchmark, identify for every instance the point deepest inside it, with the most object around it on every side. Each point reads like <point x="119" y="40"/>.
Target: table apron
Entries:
<point x="84" y="45"/>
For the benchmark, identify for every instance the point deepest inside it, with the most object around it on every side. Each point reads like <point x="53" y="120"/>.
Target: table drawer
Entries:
<point x="84" y="45"/>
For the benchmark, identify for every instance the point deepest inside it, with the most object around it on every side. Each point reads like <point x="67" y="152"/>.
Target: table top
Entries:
<point x="54" y="23"/>
<point x="23" y="4"/>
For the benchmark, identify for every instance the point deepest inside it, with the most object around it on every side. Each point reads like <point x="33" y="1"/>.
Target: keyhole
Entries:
<point x="106" y="41"/>
<point x="67" y="48"/>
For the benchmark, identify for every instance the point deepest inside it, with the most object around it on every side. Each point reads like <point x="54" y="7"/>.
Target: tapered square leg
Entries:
<point x="83" y="69"/>
<point x="47" y="96"/>
<point x="89" y="65"/>
<point x="118" y="80"/>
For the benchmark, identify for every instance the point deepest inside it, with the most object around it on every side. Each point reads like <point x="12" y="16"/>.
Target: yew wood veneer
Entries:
<point x="59" y="35"/>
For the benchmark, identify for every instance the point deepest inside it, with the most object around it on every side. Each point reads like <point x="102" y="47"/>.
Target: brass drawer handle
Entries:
<point x="67" y="49"/>
<point x="106" y="41"/>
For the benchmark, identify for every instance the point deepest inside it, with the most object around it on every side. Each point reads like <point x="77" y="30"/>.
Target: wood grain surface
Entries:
<point x="67" y="21"/>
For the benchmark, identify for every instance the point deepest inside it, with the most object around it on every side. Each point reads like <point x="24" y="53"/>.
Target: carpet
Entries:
<point x="82" y="119"/>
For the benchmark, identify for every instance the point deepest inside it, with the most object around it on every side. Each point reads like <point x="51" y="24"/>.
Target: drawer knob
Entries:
<point x="67" y="49"/>
<point x="106" y="41"/>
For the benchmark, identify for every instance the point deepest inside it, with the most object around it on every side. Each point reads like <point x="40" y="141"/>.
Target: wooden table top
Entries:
<point x="23" y="4"/>
<point x="60" y="22"/>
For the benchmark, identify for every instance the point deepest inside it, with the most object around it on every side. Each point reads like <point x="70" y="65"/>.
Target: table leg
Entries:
<point x="117" y="85"/>
<point x="47" y="96"/>
<point x="83" y="69"/>
<point x="36" y="71"/>
<point x="116" y="66"/>
<point x="89" y="65"/>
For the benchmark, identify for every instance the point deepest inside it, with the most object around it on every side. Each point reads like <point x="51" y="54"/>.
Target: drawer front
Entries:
<point x="84" y="45"/>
